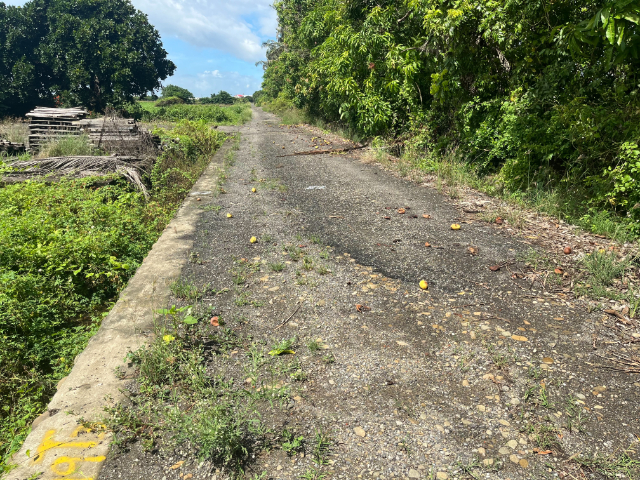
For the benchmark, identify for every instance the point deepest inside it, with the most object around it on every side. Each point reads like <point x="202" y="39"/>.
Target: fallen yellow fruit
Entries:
<point x="455" y="226"/>
<point x="253" y="240"/>
<point x="423" y="284"/>
<point x="253" y="190"/>
<point x="229" y="215"/>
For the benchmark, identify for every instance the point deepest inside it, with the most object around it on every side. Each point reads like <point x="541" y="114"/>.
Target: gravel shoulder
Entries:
<point x="481" y="375"/>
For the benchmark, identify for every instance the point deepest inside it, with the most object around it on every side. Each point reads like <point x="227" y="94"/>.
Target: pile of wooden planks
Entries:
<point x="47" y="123"/>
<point x="110" y="133"/>
<point x="11" y="148"/>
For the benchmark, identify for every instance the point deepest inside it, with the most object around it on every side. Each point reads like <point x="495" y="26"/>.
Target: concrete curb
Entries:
<point x="58" y="446"/>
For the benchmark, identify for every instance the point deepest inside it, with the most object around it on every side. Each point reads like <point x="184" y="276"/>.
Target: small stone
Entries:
<point x="482" y="408"/>
<point x="466" y="422"/>
<point x="472" y="334"/>
<point x="514" y="458"/>
<point x="515" y="401"/>
<point x="482" y="451"/>
<point x="331" y="382"/>
<point x="580" y="396"/>
<point x="423" y="416"/>
<point x="359" y="431"/>
<point x="512" y="444"/>
<point x="279" y="467"/>
<point x="442" y="476"/>
<point x="523" y="463"/>
<point x="413" y="473"/>
<point x="465" y="383"/>
<point x="504" y="451"/>
<point x="505" y="423"/>
<point x="297" y="398"/>
<point x="487" y="462"/>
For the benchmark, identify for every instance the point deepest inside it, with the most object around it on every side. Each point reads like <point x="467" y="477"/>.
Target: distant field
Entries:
<point x="220" y="115"/>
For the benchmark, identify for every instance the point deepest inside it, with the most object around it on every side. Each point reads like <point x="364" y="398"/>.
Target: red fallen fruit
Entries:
<point x="499" y="221"/>
<point x="494" y="268"/>
<point x="567" y="250"/>
<point x="214" y="322"/>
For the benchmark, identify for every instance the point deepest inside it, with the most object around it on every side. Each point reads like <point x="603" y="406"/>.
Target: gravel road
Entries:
<point x="478" y="376"/>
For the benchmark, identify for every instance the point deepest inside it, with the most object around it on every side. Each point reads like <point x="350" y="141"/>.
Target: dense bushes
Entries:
<point x="543" y="95"/>
<point x="167" y="102"/>
<point x="66" y="251"/>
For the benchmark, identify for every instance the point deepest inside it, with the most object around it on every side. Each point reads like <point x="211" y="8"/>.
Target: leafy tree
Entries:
<point x="175" y="91"/>
<point x="220" y="98"/>
<point x="88" y="52"/>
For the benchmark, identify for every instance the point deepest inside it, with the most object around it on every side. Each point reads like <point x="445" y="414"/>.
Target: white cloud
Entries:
<point x="219" y="24"/>
<point x="215" y="73"/>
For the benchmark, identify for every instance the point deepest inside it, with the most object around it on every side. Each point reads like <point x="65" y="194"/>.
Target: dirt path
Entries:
<point x="477" y="377"/>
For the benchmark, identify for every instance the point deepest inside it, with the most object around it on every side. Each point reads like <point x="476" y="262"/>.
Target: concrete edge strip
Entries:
<point x="58" y="446"/>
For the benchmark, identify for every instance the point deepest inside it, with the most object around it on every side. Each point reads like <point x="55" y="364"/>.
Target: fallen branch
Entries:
<point x="320" y="152"/>
<point x="290" y="316"/>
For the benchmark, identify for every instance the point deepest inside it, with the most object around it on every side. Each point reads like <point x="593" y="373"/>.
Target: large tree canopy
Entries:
<point x="88" y="52"/>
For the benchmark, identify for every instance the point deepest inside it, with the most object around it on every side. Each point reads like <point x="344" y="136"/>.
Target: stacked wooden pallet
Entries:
<point x="47" y="123"/>
<point x="106" y="131"/>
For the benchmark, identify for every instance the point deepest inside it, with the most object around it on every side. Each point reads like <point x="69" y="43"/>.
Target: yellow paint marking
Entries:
<point x="82" y="428"/>
<point x="48" y="444"/>
<point x="70" y="462"/>
<point x="58" y="465"/>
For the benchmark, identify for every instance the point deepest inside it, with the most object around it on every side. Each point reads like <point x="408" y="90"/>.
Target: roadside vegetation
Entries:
<point x="67" y="248"/>
<point x="536" y="103"/>
<point x="221" y="115"/>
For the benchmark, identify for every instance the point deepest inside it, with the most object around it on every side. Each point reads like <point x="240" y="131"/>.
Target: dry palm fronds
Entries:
<point x="82" y="166"/>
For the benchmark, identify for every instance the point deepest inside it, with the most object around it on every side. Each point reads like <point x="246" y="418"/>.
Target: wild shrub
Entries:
<point x="166" y="102"/>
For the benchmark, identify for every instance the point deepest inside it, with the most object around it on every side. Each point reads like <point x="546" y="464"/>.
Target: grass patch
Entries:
<point x="611" y="466"/>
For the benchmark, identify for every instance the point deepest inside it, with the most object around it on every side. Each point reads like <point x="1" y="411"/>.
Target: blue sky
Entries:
<point x="214" y="43"/>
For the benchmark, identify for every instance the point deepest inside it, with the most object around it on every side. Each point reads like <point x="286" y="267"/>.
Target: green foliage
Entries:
<point x="232" y="115"/>
<point x="168" y="101"/>
<point x="66" y="250"/>
<point x="221" y="98"/>
<point x="177" y="92"/>
<point x="111" y="54"/>
<point x="542" y="96"/>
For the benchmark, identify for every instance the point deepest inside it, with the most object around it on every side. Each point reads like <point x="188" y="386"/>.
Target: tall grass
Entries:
<point x="68" y="146"/>
<point x="13" y="130"/>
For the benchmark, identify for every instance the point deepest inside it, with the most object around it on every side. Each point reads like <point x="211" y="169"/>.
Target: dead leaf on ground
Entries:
<point x="427" y="244"/>
<point x="387" y="218"/>
<point x="473" y="250"/>
<point x="401" y="211"/>
<point x="542" y="452"/>
<point x="495" y="268"/>
<point x="214" y="322"/>
<point x="559" y="271"/>
<point x="499" y="220"/>
<point x="177" y="465"/>
<point x="426" y="216"/>
<point x="362" y="308"/>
